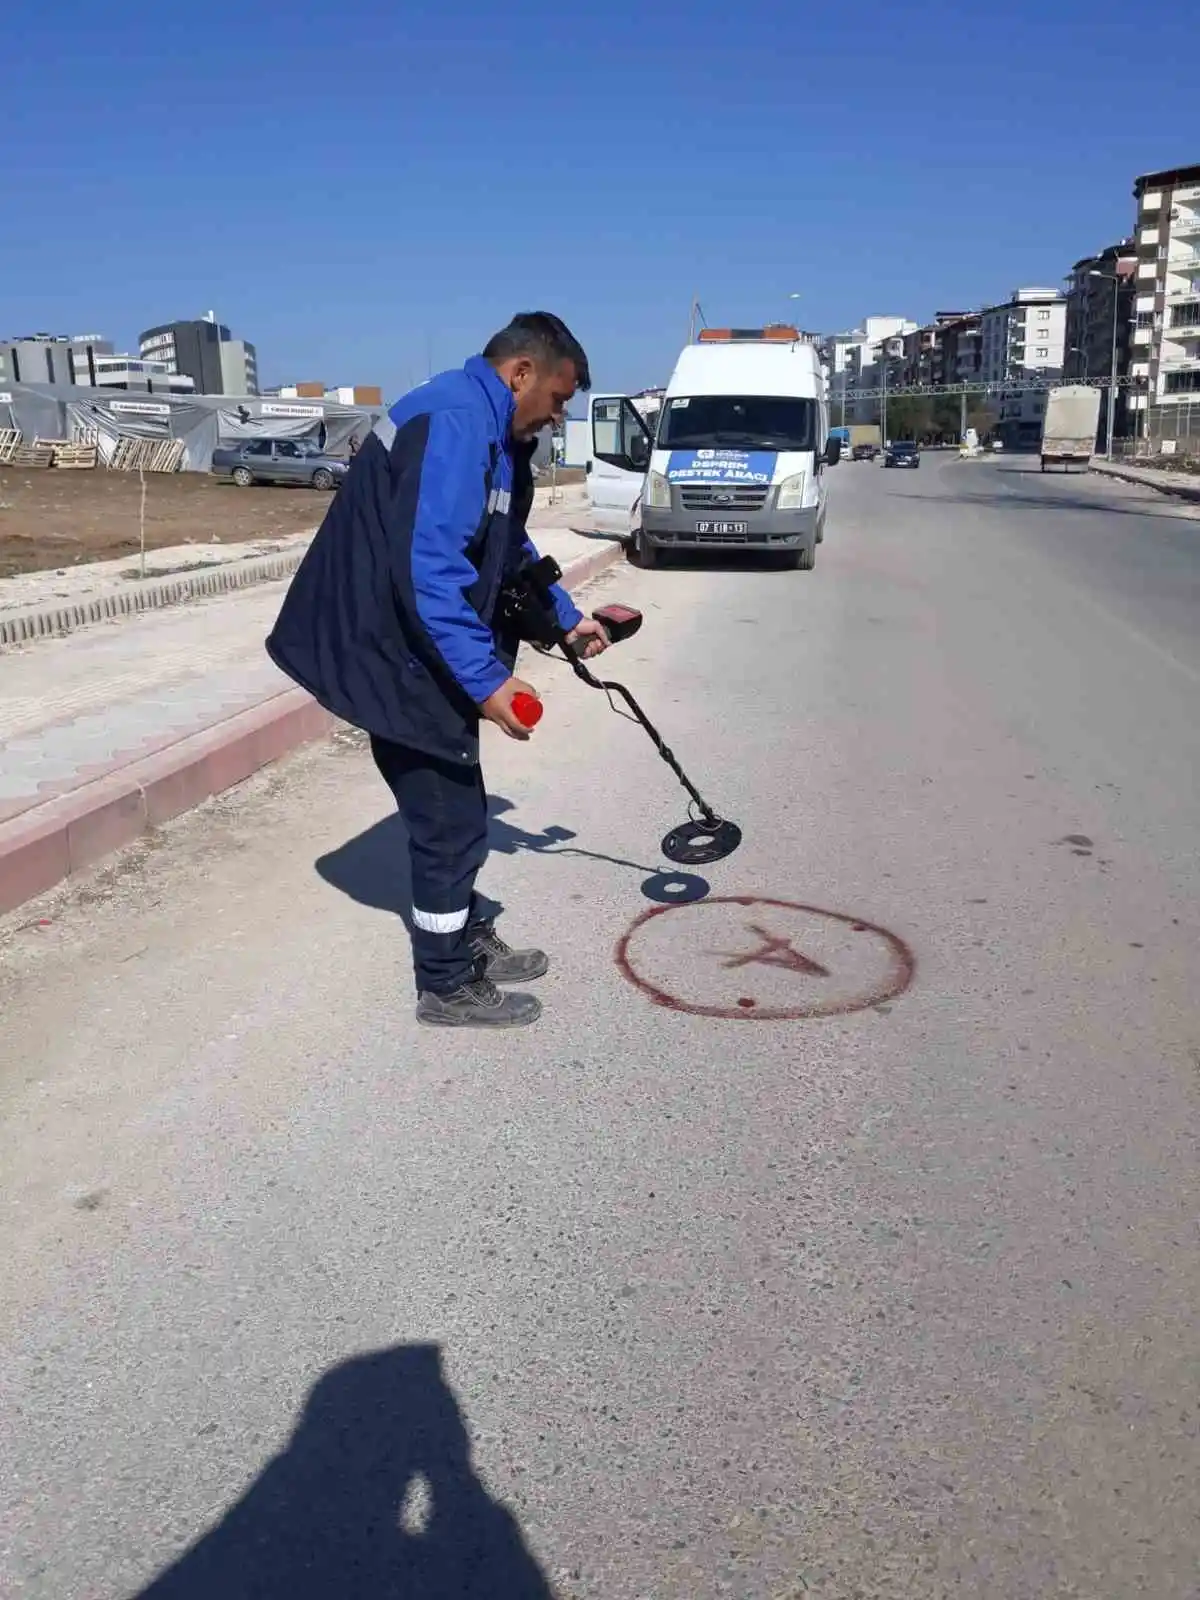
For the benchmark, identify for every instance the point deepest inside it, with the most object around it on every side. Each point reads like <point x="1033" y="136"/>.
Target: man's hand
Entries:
<point x="497" y="707"/>
<point x="588" y="638"/>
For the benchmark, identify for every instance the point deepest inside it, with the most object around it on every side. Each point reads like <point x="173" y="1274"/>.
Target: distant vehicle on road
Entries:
<point x="902" y="453"/>
<point x="866" y="433"/>
<point x="1070" y="425"/>
<point x="278" y="461"/>
<point x="864" y="452"/>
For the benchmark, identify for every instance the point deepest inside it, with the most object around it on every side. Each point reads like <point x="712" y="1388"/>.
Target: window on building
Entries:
<point x="1043" y="350"/>
<point x="1182" y="383"/>
<point x="1043" y="314"/>
<point x="1145" y="319"/>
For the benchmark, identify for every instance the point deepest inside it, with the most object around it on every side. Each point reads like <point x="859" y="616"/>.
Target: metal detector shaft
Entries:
<point x="656" y="738"/>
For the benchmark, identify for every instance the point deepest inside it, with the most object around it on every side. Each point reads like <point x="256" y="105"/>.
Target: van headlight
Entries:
<point x="657" y="494"/>
<point x="791" y="493"/>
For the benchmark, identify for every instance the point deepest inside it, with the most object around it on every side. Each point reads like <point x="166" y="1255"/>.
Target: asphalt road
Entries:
<point x="841" y="1245"/>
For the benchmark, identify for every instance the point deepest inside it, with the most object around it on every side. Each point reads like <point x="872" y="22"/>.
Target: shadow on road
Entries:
<point x="1015" y="500"/>
<point x="1040" y="495"/>
<point x="374" y="1498"/>
<point x="373" y="868"/>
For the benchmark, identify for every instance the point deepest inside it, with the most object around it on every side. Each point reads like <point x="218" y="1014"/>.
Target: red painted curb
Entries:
<point x="50" y="842"/>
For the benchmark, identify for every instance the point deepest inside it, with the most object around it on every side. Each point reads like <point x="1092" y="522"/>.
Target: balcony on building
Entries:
<point x="1185" y="226"/>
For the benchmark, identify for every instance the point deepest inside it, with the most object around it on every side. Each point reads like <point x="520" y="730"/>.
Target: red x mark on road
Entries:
<point x="773" y="951"/>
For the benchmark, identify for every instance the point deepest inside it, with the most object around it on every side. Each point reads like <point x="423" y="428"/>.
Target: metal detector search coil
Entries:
<point x="528" y="611"/>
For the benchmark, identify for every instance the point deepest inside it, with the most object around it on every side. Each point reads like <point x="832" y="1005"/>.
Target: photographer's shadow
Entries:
<point x="373" y="868"/>
<point x="374" y="1498"/>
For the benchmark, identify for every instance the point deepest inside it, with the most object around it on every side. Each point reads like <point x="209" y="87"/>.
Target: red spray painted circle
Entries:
<point x="893" y="964"/>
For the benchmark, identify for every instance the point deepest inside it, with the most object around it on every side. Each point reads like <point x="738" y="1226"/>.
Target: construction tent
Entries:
<point x="200" y="422"/>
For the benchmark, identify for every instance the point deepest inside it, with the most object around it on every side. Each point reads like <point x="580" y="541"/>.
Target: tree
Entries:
<point x="909" y="416"/>
<point x="982" y="419"/>
<point x="947" y="415"/>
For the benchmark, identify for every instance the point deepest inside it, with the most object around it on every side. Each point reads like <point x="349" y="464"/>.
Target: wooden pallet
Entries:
<point x="32" y="455"/>
<point x="10" y="439"/>
<point x="75" y="455"/>
<point x="147" y="455"/>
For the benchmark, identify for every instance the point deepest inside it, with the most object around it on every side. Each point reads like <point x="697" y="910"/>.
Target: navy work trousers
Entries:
<point x="444" y="808"/>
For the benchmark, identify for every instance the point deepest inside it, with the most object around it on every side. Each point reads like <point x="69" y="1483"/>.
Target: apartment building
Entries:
<point x="1166" y="333"/>
<point x="1100" y="316"/>
<point x="962" y="348"/>
<point x="1023" y="338"/>
<point x="873" y="357"/>
<point x="925" y="349"/>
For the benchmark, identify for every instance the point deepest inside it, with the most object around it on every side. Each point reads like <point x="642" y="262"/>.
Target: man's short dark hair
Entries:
<point x="543" y="337"/>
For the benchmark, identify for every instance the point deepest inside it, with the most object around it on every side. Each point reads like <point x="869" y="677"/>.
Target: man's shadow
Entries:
<point x="374" y="1498"/>
<point x="373" y="868"/>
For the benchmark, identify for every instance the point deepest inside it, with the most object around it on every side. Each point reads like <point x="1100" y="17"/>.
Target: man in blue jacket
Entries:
<point x="391" y="623"/>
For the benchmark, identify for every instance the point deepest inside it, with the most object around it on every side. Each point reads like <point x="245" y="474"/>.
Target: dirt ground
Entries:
<point x="51" y="519"/>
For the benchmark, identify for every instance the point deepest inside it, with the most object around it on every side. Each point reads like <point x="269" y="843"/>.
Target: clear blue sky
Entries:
<point x="362" y="187"/>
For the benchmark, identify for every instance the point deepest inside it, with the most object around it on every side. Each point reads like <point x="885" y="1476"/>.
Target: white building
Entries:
<point x="1024" y="337"/>
<point x="865" y="356"/>
<point x="1166" y="337"/>
<point x="130" y="372"/>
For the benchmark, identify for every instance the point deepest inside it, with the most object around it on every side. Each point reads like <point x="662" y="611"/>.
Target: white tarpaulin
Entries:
<point x="200" y="421"/>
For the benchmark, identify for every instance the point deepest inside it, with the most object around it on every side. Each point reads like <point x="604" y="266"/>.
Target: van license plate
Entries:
<point x="720" y="527"/>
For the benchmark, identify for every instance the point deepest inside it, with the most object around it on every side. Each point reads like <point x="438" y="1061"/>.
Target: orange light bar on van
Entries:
<point x="778" y="333"/>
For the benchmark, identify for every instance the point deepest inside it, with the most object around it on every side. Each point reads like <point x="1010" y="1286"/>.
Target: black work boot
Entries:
<point x="477" y="1004"/>
<point x="501" y="963"/>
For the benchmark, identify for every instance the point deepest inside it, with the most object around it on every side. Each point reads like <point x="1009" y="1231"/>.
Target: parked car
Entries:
<point x="902" y="453"/>
<point x="278" y="461"/>
<point x="864" y="452"/>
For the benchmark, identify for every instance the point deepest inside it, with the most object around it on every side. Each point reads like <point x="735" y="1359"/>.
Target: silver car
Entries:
<point x="278" y="461"/>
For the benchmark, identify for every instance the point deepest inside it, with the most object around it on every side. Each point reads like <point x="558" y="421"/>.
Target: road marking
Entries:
<point x="775" y="960"/>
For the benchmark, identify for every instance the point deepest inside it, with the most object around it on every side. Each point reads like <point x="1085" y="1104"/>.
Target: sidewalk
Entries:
<point x="1183" y="485"/>
<point x="118" y="727"/>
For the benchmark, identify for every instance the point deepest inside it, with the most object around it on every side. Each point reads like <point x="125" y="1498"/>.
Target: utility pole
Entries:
<point x="1112" y="378"/>
<point x="1114" y="280"/>
<point x="962" y="418"/>
<point x="883" y="402"/>
<point x="695" y="312"/>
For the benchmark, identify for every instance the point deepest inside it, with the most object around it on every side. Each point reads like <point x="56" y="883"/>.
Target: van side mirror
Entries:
<point x="833" y="452"/>
<point x="639" y="451"/>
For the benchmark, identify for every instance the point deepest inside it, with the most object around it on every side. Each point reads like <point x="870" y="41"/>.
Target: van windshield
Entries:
<point x="742" y="422"/>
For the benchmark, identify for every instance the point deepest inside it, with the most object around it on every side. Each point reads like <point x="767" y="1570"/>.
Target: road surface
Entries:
<point x="835" y="1235"/>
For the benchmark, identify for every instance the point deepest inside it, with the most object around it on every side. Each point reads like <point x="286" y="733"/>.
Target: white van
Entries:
<point x="736" y="460"/>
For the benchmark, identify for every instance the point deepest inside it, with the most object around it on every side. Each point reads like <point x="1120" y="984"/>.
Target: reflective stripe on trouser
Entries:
<point x="444" y="809"/>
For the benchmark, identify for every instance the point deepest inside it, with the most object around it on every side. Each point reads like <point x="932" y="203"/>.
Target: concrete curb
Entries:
<point x="51" y="842"/>
<point x="1178" y="491"/>
<point x="148" y="594"/>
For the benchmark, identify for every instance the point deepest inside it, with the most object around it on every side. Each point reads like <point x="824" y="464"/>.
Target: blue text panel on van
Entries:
<point x="721" y="466"/>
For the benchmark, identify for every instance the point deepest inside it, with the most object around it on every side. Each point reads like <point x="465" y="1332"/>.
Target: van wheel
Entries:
<point x="802" y="560"/>
<point x="647" y="554"/>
